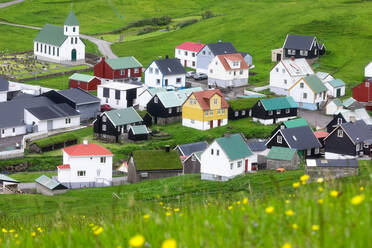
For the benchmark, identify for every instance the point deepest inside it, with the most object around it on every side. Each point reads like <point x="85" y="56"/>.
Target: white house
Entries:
<point x="336" y="87"/>
<point x="286" y="73"/>
<point x="166" y="73"/>
<point x="368" y="71"/>
<point x="119" y="95"/>
<point x="147" y="95"/>
<point x="228" y="70"/>
<point x="324" y="76"/>
<point x="334" y="106"/>
<point x="186" y="53"/>
<point x="60" y="44"/>
<point x="226" y="158"/>
<point x="309" y="92"/>
<point x="85" y="165"/>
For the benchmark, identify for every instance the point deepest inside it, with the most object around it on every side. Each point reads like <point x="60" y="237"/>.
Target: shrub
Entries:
<point x="186" y="23"/>
<point x="207" y="14"/>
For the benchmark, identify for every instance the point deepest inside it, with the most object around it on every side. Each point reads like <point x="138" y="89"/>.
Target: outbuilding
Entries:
<point x="83" y="81"/>
<point x="138" y="133"/>
<point x="191" y="164"/>
<point x="49" y="186"/>
<point x="331" y="168"/>
<point x="282" y="157"/>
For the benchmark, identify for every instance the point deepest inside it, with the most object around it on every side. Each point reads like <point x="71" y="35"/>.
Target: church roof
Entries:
<point x="51" y="35"/>
<point x="71" y="19"/>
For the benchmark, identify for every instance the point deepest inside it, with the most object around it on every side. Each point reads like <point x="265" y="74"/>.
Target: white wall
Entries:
<point x="368" y="70"/>
<point x="8" y="131"/>
<point x="278" y="75"/>
<point x="57" y="123"/>
<point x="189" y="57"/>
<point x="332" y="108"/>
<point x="216" y="70"/>
<point x="3" y="96"/>
<point x="298" y="94"/>
<point x="143" y="99"/>
<point x="151" y="78"/>
<point x="331" y="155"/>
<point x="202" y="125"/>
<point x="333" y="91"/>
<point x="114" y="103"/>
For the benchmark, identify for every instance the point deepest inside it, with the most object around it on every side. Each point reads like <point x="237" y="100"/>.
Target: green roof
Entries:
<point x="141" y="129"/>
<point x="123" y="63"/>
<point x="337" y="102"/>
<point x="6" y="178"/>
<point x="243" y="103"/>
<point x="71" y="19"/>
<point x="234" y="147"/>
<point x="281" y="153"/>
<point x="348" y="102"/>
<point x="51" y="35"/>
<point x="177" y="97"/>
<point x="315" y="83"/>
<point x="142" y="113"/>
<point x="156" y="160"/>
<point x="81" y="77"/>
<point x="337" y="83"/>
<point x="123" y="116"/>
<point x="47" y="182"/>
<point x="154" y="91"/>
<point x="300" y="122"/>
<point x="279" y="103"/>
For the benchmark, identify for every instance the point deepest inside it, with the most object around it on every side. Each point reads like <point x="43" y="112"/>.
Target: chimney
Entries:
<point x="166" y="56"/>
<point x="292" y="58"/>
<point x="167" y="148"/>
<point x="85" y="142"/>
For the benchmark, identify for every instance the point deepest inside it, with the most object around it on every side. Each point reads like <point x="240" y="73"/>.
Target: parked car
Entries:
<point x="190" y="74"/>
<point x="105" y="107"/>
<point x="200" y="76"/>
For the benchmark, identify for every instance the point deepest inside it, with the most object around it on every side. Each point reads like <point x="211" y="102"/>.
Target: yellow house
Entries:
<point x="204" y="110"/>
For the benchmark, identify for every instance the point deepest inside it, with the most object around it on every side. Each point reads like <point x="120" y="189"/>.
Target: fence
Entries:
<point x="19" y="153"/>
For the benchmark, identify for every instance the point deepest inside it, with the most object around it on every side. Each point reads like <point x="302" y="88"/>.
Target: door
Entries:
<point x="73" y="55"/>
<point x="129" y="103"/>
<point x="338" y="93"/>
<point x="185" y="63"/>
<point x="166" y="82"/>
<point x="246" y="165"/>
<point x="219" y="123"/>
<point x="50" y="125"/>
<point x="211" y="124"/>
<point x="278" y="57"/>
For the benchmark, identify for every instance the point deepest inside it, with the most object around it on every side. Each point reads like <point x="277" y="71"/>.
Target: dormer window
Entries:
<point x="236" y="63"/>
<point x="66" y="29"/>
<point x="156" y="99"/>
<point x="301" y="85"/>
<point x="73" y="29"/>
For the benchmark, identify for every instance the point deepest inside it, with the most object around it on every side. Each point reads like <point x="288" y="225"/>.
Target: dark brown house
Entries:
<point x="192" y="163"/>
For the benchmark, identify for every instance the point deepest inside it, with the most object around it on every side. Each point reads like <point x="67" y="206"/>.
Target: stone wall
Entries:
<point x="169" y="120"/>
<point x="331" y="172"/>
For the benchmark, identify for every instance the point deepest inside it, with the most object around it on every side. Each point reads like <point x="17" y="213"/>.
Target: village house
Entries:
<point x="8" y="185"/>
<point x="331" y="168"/>
<point x="4" y="88"/>
<point x="334" y="106"/>
<point x="368" y="71"/>
<point x="186" y="53"/>
<point x="273" y="110"/>
<point x="118" y="69"/>
<point x="153" y="164"/>
<point x="324" y="76"/>
<point x="286" y="73"/>
<point x="166" y="107"/>
<point x="138" y="133"/>
<point x="352" y="104"/>
<point x="146" y="95"/>
<point x="205" y="110"/>
<point x="226" y="158"/>
<point x="85" y="165"/>
<point x="83" y="81"/>
<point x="258" y="148"/>
<point x="228" y="70"/>
<point x="363" y="93"/>
<point x="299" y="122"/>
<point x="348" y="140"/>
<point x="336" y="87"/>
<point x="345" y="115"/>
<point x="166" y="73"/>
<point x="119" y="95"/>
<point x="112" y="125"/>
<point x="241" y="107"/>
<point x="321" y="135"/>
<point x="186" y="150"/>
<point x="191" y="164"/>
<point x="60" y="44"/>
<point x="309" y="92"/>
<point x="300" y="138"/>
<point x="282" y="157"/>
<point x="48" y="186"/>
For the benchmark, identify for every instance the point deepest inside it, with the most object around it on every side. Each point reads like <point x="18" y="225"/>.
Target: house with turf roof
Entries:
<point x="191" y="164"/>
<point x="241" y="107"/>
<point x="113" y="126"/>
<point x="309" y="92"/>
<point x="299" y="122"/>
<point x="146" y="95"/>
<point x="119" y="95"/>
<point x="334" y="106"/>
<point x="226" y="158"/>
<point x="336" y="87"/>
<point x="153" y="164"/>
<point x="186" y="53"/>
<point x="138" y="133"/>
<point x="273" y="110"/>
<point x="121" y="69"/>
<point x="282" y="157"/>
<point x="60" y="44"/>
<point x="83" y="81"/>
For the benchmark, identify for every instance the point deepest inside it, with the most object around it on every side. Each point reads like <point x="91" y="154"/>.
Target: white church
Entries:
<point x="60" y="44"/>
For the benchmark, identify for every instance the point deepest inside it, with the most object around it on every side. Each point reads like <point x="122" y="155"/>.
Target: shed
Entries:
<point x="49" y="186"/>
<point x="192" y="163"/>
<point x="8" y="185"/>
<point x="321" y="135"/>
<point x="138" y="133"/>
<point x="331" y="168"/>
<point x="188" y="149"/>
<point x="282" y="157"/>
<point x="83" y="81"/>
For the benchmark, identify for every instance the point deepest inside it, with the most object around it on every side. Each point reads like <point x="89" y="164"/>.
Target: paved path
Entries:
<point x="315" y="118"/>
<point x="4" y="5"/>
<point x="10" y="142"/>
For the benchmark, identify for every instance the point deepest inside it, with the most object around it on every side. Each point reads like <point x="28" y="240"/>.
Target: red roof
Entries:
<point x="87" y="150"/>
<point x="320" y="134"/>
<point x="191" y="46"/>
<point x="232" y="57"/>
<point x="203" y="98"/>
<point x="64" y="166"/>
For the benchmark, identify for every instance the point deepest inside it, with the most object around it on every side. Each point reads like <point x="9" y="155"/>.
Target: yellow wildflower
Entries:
<point x="230" y="207"/>
<point x="304" y="178"/>
<point x="40" y="230"/>
<point x="33" y="234"/>
<point x="361" y="188"/>
<point x="295" y="226"/>
<point x="315" y="227"/>
<point x="4" y="230"/>
<point x="289" y="212"/>
<point x="176" y="210"/>
<point x="296" y="184"/>
<point x="320" y="201"/>
<point x="146" y="216"/>
<point x="16" y="235"/>
<point x="161" y="203"/>
<point x="334" y="193"/>
<point x="287" y="245"/>
<point x="358" y="199"/>
<point x="168" y="214"/>
<point x="137" y="241"/>
<point x="287" y="201"/>
<point x="169" y="243"/>
<point x="245" y="200"/>
<point x="11" y="231"/>
<point x="320" y="180"/>
<point x="269" y="210"/>
<point x="238" y="202"/>
<point x="320" y="189"/>
<point x="98" y="230"/>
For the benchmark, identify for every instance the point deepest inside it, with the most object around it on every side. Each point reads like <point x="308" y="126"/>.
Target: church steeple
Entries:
<point x="71" y="25"/>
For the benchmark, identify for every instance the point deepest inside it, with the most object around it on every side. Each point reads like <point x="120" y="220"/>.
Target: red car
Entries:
<point x="105" y="107"/>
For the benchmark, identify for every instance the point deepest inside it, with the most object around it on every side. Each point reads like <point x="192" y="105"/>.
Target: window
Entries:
<point x="191" y="101"/>
<point x="75" y="40"/>
<point x="2" y="131"/>
<point x="236" y="113"/>
<point x="279" y="139"/>
<point x="283" y="70"/>
<point x="308" y="152"/>
<point x="301" y="85"/>
<point x="367" y="84"/>
<point x="270" y="112"/>
<point x="57" y="51"/>
<point x="68" y="121"/>
<point x="122" y="72"/>
<point x="193" y="63"/>
<point x="117" y="94"/>
<point x="339" y="121"/>
<point x="13" y="130"/>
<point x="103" y="160"/>
<point x="81" y="173"/>
<point x="303" y="53"/>
<point x="136" y="70"/>
<point x="215" y="101"/>
<point x="206" y="113"/>
<point x="106" y="92"/>
<point x="104" y="127"/>
<point x="287" y="111"/>
<point x="223" y="111"/>
<point x="231" y="166"/>
<point x="41" y="48"/>
<point x="157" y="81"/>
<point x="73" y="29"/>
<point x="316" y="151"/>
<point x="277" y="69"/>
<point x="193" y="158"/>
<point x="305" y="95"/>
<point x="278" y="112"/>
<point x="357" y="147"/>
<point x="186" y="53"/>
<point x="66" y="29"/>
<point x="340" y="133"/>
<point x="365" y="145"/>
<point x="178" y="80"/>
<point x="210" y="70"/>
<point x="241" y="72"/>
<point x="170" y="110"/>
<point x="37" y="47"/>
<point x="236" y="63"/>
<point x="203" y="52"/>
<point x="54" y="51"/>
<point x="98" y="172"/>
<point x="211" y="112"/>
<point x="49" y="50"/>
<point x="240" y="164"/>
<point x="218" y="152"/>
<point x="45" y="49"/>
<point x="285" y="81"/>
<point x="316" y="51"/>
<point x="218" y="111"/>
<point x="151" y="70"/>
<point x="178" y="109"/>
<point x="179" y="51"/>
<point x="192" y="121"/>
<point x="211" y="151"/>
<point x="193" y="54"/>
<point x="243" y="112"/>
<point x="156" y="71"/>
<point x="259" y="104"/>
<point x="72" y="40"/>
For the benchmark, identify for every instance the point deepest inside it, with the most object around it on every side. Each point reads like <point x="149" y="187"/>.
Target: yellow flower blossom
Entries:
<point x="269" y="210"/>
<point x="315" y="227"/>
<point x="40" y="230"/>
<point x="16" y="235"/>
<point x="287" y="201"/>
<point x="230" y="207"/>
<point x="169" y="243"/>
<point x="98" y="230"/>
<point x="334" y="193"/>
<point x="161" y="203"/>
<point x="320" y="180"/>
<point x="4" y="230"/>
<point x="289" y="212"/>
<point x="295" y="226"/>
<point x="320" y="189"/>
<point x="320" y="201"/>
<point x="304" y="178"/>
<point x="33" y="234"/>
<point x="296" y="184"/>
<point x="176" y="210"/>
<point x="245" y="200"/>
<point x="11" y="231"/>
<point x="287" y="245"/>
<point x="137" y="241"/>
<point x="146" y="216"/>
<point x="168" y="214"/>
<point x="361" y="188"/>
<point x="358" y="199"/>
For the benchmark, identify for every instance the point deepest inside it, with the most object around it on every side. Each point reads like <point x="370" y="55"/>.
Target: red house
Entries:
<point x="363" y="92"/>
<point x="118" y="69"/>
<point x="85" y="82"/>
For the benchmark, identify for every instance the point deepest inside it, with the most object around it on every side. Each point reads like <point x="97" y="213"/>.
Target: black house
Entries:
<point x="273" y="110"/>
<point x="241" y="108"/>
<point x="138" y="133"/>
<point x="350" y="139"/>
<point x="300" y="46"/>
<point x="301" y="138"/>
<point x="337" y="120"/>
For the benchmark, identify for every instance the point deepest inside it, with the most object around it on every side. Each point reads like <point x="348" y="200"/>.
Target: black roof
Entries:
<point x="298" y="42"/>
<point x="79" y="96"/>
<point x="188" y="149"/>
<point x="4" y="84"/>
<point x="21" y="95"/>
<point x="170" y="66"/>
<point x="221" y="48"/>
<point x="257" y="145"/>
<point x="53" y="111"/>
<point x="300" y="138"/>
<point x="337" y="162"/>
<point x="358" y="131"/>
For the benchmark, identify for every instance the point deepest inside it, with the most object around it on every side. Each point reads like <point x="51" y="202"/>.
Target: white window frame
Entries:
<point x="279" y="139"/>
<point x="103" y="160"/>
<point x="340" y="133"/>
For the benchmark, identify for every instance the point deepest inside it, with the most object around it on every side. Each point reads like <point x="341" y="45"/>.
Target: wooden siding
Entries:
<point x="92" y="85"/>
<point x="339" y="145"/>
<point x="259" y="112"/>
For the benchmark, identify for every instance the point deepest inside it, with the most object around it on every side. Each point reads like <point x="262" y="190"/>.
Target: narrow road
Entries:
<point x="4" y="5"/>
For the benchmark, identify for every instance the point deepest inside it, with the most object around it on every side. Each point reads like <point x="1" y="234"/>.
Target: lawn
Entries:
<point x="24" y="177"/>
<point x="14" y="39"/>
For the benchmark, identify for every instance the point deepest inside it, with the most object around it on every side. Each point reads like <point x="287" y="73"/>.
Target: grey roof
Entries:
<point x="300" y="138"/>
<point x="49" y="183"/>
<point x="176" y="98"/>
<point x="124" y="116"/>
<point x="4" y="84"/>
<point x="257" y="145"/>
<point x="188" y="149"/>
<point x="298" y="42"/>
<point x="337" y="162"/>
<point x="4" y="178"/>
<point x="358" y="131"/>
<point x="221" y="48"/>
<point x="21" y="95"/>
<point x="170" y="66"/>
<point x="140" y="129"/>
<point x="79" y="96"/>
<point x="53" y="111"/>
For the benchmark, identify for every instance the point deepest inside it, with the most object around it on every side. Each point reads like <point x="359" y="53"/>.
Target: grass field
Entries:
<point x="30" y="176"/>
